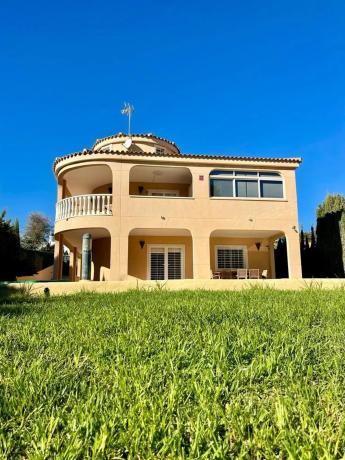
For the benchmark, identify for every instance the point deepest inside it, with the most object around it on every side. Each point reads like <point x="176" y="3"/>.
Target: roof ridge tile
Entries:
<point x="183" y="155"/>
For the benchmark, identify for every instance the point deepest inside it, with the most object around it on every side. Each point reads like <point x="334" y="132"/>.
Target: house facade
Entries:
<point x="154" y="213"/>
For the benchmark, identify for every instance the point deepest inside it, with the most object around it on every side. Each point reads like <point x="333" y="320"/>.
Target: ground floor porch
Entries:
<point x="173" y="254"/>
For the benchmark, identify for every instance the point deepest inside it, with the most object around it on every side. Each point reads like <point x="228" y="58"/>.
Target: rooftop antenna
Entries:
<point x="128" y="109"/>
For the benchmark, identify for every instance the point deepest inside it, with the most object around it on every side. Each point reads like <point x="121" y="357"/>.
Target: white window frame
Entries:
<point x="160" y="150"/>
<point x="166" y="247"/>
<point x="256" y="178"/>
<point x="230" y="246"/>
<point x="164" y="191"/>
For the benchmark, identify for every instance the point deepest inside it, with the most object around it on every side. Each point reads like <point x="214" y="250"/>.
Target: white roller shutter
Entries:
<point x="166" y="262"/>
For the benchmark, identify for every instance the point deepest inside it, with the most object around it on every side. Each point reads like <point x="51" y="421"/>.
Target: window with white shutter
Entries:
<point x="165" y="262"/>
<point x="157" y="256"/>
<point x="174" y="263"/>
<point x="231" y="257"/>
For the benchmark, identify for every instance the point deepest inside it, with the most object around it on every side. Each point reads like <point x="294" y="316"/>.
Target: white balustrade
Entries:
<point x="97" y="204"/>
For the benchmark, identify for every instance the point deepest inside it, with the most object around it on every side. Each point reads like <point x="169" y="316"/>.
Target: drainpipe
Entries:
<point x="86" y="257"/>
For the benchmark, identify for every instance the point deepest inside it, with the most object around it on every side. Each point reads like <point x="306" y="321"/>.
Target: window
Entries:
<point x="221" y="187"/>
<point x="246" y="188"/>
<point x="157" y="258"/>
<point x="160" y="150"/>
<point x="246" y="184"/>
<point x="228" y="257"/>
<point x="159" y="192"/>
<point x="271" y="189"/>
<point x="165" y="262"/>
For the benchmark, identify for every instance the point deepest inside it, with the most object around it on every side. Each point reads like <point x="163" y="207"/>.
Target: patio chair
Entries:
<point x="242" y="274"/>
<point x="254" y="274"/>
<point x="264" y="274"/>
<point x="216" y="275"/>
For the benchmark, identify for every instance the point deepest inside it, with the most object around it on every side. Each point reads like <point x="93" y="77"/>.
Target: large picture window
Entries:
<point x="246" y="184"/>
<point x="230" y="257"/>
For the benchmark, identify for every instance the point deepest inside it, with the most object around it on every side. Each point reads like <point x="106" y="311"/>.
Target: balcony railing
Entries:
<point x="97" y="204"/>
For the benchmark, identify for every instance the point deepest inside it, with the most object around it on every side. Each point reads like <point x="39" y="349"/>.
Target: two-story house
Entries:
<point x="154" y="213"/>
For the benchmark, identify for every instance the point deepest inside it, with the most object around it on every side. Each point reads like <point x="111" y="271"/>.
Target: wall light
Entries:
<point x="142" y="244"/>
<point x="258" y="245"/>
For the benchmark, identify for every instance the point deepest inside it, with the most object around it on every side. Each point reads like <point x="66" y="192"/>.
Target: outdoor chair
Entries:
<point x="264" y="274"/>
<point x="254" y="273"/>
<point x="242" y="274"/>
<point x="216" y="275"/>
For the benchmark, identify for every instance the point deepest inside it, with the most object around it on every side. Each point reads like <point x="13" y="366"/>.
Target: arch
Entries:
<point x="142" y="242"/>
<point x="87" y="179"/>
<point x="160" y="180"/>
<point x="72" y="240"/>
<point x="231" y="249"/>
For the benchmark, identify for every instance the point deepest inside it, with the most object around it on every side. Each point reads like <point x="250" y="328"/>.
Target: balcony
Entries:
<point x="96" y="204"/>
<point x="160" y="181"/>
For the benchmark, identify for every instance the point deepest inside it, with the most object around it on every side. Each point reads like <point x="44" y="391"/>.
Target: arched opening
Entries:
<point x="86" y="190"/>
<point x="69" y="260"/>
<point x="87" y="180"/>
<point x="160" y="254"/>
<point x="250" y="250"/>
<point x="160" y="181"/>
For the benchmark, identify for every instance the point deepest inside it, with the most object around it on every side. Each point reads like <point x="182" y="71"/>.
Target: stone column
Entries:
<point x="86" y="257"/>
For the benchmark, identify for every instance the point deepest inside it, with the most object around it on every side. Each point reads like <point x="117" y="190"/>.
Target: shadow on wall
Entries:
<point x="100" y="257"/>
<point x="330" y="237"/>
<point x="280" y="258"/>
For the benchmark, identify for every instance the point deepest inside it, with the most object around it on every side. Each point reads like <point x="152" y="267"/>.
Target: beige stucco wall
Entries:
<point x="137" y="256"/>
<point x="183" y="189"/>
<point x="200" y="214"/>
<point x="103" y="188"/>
<point x="100" y="256"/>
<point x="139" y="144"/>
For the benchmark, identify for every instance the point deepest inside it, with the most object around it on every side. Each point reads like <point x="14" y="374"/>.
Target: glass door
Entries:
<point x="165" y="262"/>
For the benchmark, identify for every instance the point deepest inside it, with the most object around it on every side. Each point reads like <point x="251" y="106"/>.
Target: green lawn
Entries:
<point x="143" y="375"/>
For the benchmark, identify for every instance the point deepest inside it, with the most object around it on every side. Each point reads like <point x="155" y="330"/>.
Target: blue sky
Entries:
<point x="254" y="77"/>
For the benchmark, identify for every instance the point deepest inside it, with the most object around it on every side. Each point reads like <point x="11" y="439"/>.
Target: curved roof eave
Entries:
<point x="149" y="136"/>
<point x="296" y="160"/>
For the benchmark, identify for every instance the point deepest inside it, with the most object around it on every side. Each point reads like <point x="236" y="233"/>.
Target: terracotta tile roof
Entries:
<point x="182" y="156"/>
<point x="149" y="135"/>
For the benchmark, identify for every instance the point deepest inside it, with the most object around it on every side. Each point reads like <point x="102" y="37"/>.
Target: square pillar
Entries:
<point x="201" y="258"/>
<point x="293" y="254"/>
<point x="72" y="264"/>
<point x="58" y="257"/>
<point x="123" y="269"/>
<point x="272" y="273"/>
<point x="118" y="258"/>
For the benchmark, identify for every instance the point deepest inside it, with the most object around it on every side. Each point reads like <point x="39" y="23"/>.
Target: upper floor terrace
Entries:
<point x="149" y="177"/>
